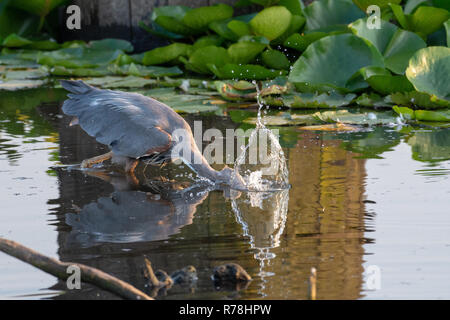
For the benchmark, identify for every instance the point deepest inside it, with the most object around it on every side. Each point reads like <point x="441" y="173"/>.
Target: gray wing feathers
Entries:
<point x="123" y="121"/>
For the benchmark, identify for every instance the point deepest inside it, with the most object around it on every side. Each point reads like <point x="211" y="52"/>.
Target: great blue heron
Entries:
<point x="136" y="127"/>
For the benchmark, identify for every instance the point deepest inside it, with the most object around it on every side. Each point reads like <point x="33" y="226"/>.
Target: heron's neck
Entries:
<point x="198" y="163"/>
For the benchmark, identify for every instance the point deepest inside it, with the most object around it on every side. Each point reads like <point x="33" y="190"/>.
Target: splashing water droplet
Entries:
<point x="262" y="163"/>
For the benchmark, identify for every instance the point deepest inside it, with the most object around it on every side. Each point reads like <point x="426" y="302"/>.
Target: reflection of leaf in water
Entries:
<point x="371" y="144"/>
<point x="430" y="145"/>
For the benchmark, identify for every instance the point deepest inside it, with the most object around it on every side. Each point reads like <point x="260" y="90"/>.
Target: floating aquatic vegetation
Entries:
<point x="429" y="71"/>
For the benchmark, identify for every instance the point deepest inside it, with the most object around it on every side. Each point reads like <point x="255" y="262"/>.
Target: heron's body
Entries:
<point x="134" y="127"/>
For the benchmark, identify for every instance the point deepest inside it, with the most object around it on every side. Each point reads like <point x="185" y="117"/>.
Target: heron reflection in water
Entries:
<point x="151" y="211"/>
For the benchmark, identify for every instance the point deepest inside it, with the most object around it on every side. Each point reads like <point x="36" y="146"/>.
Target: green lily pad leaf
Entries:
<point x="79" y="57"/>
<point x="146" y="71"/>
<point x="297" y="22"/>
<point x="427" y="115"/>
<point x="284" y="119"/>
<point x="405" y="112"/>
<point x="424" y="21"/>
<point x="419" y="100"/>
<point x="80" y="72"/>
<point x="25" y="74"/>
<point x="159" y="31"/>
<point x="175" y="26"/>
<point x="429" y="71"/>
<point x="423" y="115"/>
<point x="301" y="42"/>
<point x="165" y="54"/>
<point x="74" y="44"/>
<point x="373" y="100"/>
<point x="383" y="82"/>
<point x="14" y="85"/>
<point x="364" y="118"/>
<point x="15" y="41"/>
<point x="332" y="61"/>
<point x="123" y="59"/>
<point x="396" y="45"/>
<point x="240" y="28"/>
<point x="49" y="44"/>
<point x="199" y="60"/>
<point x="245" y="72"/>
<point x="244" y="90"/>
<point x="228" y="90"/>
<point x="167" y="22"/>
<point x="120" y="82"/>
<point x="390" y="84"/>
<point x="271" y="22"/>
<point x="294" y="6"/>
<point x="363" y="4"/>
<point x="244" y="52"/>
<point x="200" y="18"/>
<point x="313" y="101"/>
<point x="111" y="45"/>
<point x="221" y="27"/>
<point x="206" y="41"/>
<point x="329" y="13"/>
<point x="275" y="59"/>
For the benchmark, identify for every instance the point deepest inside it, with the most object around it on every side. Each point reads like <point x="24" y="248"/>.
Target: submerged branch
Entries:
<point x="59" y="270"/>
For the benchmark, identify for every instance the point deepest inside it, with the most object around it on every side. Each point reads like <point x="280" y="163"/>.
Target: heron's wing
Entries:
<point x="128" y="123"/>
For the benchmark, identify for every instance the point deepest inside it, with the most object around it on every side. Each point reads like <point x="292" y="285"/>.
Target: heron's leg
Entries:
<point x="98" y="159"/>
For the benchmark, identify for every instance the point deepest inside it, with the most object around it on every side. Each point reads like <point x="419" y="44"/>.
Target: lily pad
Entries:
<point x="120" y="82"/>
<point x="330" y="13"/>
<point x="79" y="57"/>
<point x="373" y="100"/>
<point x="382" y="4"/>
<point x="396" y="45"/>
<point x="111" y="45"/>
<point x="221" y="27"/>
<point x="145" y="71"/>
<point x="206" y="41"/>
<point x="14" y="85"/>
<point x="365" y="118"/>
<point x="297" y="22"/>
<point x="423" y="115"/>
<point x="425" y="20"/>
<point x="301" y="42"/>
<point x="245" y="51"/>
<point x="313" y="101"/>
<point x="201" y="58"/>
<point x="15" y="41"/>
<point x="429" y="71"/>
<point x="275" y="59"/>
<point x="271" y="22"/>
<point x="200" y="18"/>
<point x="165" y="54"/>
<point x="245" y="72"/>
<point x="240" y="28"/>
<point x="331" y="62"/>
<point x="419" y="100"/>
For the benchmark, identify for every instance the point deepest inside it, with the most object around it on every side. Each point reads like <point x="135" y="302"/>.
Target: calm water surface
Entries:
<point x="372" y="200"/>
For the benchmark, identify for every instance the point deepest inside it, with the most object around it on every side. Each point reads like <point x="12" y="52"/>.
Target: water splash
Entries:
<point x="262" y="163"/>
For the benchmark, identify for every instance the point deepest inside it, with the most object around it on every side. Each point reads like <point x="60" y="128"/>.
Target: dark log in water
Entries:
<point x="59" y="270"/>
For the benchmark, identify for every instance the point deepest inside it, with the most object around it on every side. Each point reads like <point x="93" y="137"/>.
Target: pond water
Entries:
<point x="369" y="210"/>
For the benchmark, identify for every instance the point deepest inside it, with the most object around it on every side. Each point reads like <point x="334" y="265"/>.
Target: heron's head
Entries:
<point x="230" y="177"/>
